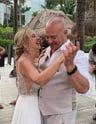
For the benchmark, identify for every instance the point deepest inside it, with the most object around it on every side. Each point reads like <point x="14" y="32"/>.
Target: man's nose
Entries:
<point x="49" y="40"/>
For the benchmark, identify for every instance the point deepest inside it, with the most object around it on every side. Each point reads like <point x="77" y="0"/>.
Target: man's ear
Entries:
<point x="66" y="31"/>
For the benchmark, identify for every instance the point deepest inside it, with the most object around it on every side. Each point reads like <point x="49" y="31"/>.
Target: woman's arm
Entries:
<point x="29" y="71"/>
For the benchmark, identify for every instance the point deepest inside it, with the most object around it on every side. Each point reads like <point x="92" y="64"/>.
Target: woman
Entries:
<point x="2" y="51"/>
<point x="27" y="47"/>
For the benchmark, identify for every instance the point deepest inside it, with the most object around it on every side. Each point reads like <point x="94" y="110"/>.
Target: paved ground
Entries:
<point x="86" y="105"/>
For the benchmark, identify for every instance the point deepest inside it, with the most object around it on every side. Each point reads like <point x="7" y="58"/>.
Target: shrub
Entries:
<point x="88" y="43"/>
<point x="6" y="33"/>
<point x="5" y="43"/>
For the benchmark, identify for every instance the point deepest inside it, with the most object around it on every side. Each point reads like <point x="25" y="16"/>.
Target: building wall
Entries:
<point x="34" y="4"/>
<point x="3" y="9"/>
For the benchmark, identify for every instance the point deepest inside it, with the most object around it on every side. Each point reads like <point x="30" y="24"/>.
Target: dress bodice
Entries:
<point x="22" y="89"/>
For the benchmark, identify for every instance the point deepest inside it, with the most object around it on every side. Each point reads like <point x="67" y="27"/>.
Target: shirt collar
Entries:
<point x="64" y="45"/>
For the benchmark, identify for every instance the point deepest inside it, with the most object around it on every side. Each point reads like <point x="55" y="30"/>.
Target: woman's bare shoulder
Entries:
<point x="22" y="61"/>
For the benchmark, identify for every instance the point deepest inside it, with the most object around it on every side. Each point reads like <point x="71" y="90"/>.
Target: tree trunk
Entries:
<point x="80" y="19"/>
<point x="15" y="26"/>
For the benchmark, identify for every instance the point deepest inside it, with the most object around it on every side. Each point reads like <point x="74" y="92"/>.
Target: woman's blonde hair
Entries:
<point x="21" y="38"/>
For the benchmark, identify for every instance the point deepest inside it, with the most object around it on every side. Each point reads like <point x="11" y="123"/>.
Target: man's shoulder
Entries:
<point x="80" y="54"/>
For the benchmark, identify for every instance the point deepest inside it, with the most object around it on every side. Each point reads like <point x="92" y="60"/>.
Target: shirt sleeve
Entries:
<point x="82" y="63"/>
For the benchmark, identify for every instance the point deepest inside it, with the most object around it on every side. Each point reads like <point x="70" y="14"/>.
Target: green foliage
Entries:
<point x="87" y="47"/>
<point x="34" y="14"/>
<point x="6" y="29"/>
<point x="1" y="25"/>
<point x="6" y="33"/>
<point x="5" y="1"/>
<point x="5" y="43"/>
<point x="91" y="39"/>
<point x="6" y="37"/>
<point x="50" y="4"/>
<point x="25" y="9"/>
<point x="22" y="2"/>
<point x="88" y="43"/>
<point x="68" y="6"/>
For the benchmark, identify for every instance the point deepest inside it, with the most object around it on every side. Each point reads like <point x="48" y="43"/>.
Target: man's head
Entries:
<point x="94" y="48"/>
<point x="56" y="32"/>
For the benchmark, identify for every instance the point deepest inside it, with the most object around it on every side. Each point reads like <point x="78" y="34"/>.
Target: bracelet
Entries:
<point x="73" y="71"/>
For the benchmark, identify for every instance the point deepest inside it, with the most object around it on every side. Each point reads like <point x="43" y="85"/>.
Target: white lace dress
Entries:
<point x="26" y="109"/>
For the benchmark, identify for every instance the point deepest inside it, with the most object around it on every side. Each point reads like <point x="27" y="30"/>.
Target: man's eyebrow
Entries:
<point x="50" y="35"/>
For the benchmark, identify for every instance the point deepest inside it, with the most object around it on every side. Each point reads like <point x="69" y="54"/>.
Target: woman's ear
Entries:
<point x="25" y="45"/>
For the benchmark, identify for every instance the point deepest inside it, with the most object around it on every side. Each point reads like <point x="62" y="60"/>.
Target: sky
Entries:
<point x="35" y="6"/>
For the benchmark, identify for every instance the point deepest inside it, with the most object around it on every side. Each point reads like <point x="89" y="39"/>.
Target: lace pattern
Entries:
<point x="22" y="87"/>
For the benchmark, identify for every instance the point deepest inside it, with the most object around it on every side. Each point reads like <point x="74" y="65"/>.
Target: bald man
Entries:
<point x="57" y="99"/>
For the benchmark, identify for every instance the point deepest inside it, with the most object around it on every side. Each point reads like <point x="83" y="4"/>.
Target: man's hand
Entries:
<point x="69" y="55"/>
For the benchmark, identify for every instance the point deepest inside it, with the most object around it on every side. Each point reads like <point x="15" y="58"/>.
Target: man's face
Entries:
<point x="55" y="36"/>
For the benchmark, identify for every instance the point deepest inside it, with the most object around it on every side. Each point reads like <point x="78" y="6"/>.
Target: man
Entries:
<point x="57" y="99"/>
<point x="2" y="51"/>
<point x="92" y="60"/>
<point x="92" y="65"/>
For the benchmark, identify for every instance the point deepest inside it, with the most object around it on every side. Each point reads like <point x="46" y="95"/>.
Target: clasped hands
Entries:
<point x="68" y="55"/>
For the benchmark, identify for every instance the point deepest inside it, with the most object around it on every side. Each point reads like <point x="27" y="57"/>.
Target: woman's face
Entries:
<point x="35" y="42"/>
<point x="32" y="42"/>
